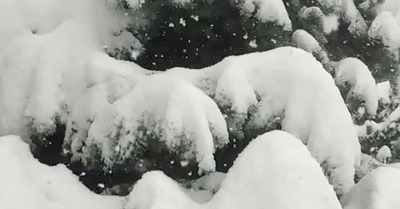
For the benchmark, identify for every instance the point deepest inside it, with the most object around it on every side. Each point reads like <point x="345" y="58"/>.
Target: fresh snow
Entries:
<point x="348" y="12"/>
<point x="269" y="11"/>
<point x="307" y="42"/>
<point x="353" y="72"/>
<point x="95" y="94"/>
<point x="28" y="184"/>
<point x="264" y="175"/>
<point x="377" y="190"/>
<point x="383" y="89"/>
<point x="384" y="154"/>
<point x="386" y="29"/>
<point x="73" y="82"/>
<point x="169" y="108"/>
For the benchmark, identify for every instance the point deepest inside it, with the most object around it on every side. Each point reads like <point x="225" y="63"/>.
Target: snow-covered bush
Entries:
<point x="268" y="11"/>
<point x="384" y="154"/>
<point x="106" y="105"/>
<point x="358" y="86"/>
<point x="307" y="42"/>
<point x="301" y="103"/>
<point x="276" y="183"/>
<point x="164" y="108"/>
<point x="386" y="30"/>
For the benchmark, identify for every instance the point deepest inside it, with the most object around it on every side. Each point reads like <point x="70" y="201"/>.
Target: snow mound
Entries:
<point x="386" y="29"/>
<point x="167" y="108"/>
<point x="264" y="175"/>
<point x="384" y="91"/>
<point x="377" y="190"/>
<point x="353" y="72"/>
<point x="269" y="11"/>
<point x="384" y="154"/>
<point x="307" y="42"/>
<point x="28" y="184"/>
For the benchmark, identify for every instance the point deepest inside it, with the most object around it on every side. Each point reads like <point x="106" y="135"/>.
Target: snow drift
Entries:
<point x="264" y="175"/>
<point x="285" y="178"/>
<point x="377" y="190"/>
<point x="28" y="184"/>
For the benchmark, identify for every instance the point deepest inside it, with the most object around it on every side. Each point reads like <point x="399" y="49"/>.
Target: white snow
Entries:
<point x="348" y="12"/>
<point x="391" y="6"/>
<point x="263" y="176"/>
<point x="38" y="87"/>
<point x="95" y="87"/>
<point x="384" y="91"/>
<point x="299" y="87"/>
<point x="307" y="42"/>
<point x="385" y="28"/>
<point x="354" y="72"/>
<point x="28" y="184"/>
<point x="331" y="23"/>
<point x="377" y="190"/>
<point x="384" y="154"/>
<point x="171" y="109"/>
<point x="269" y="11"/>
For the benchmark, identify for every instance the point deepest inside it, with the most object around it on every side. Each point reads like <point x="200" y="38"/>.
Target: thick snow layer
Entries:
<point x="377" y="190"/>
<point x="269" y="11"/>
<point x="298" y="89"/>
<point x="37" y="87"/>
<point x="353" y="72"/>
<point x="307" y="42"/>
<point x="173" y="110"/>
<point x="331" y="23"/>
<point x="391" y="6"/>
<point x="28" y="184"/>
<point x="384" y="154"/>
<point x="386" y="29"/>
<point x="44" y="16"/>
<point x="263" y="176"/>
<point x="90" y="87"/>
<point x="348" y="12"/>
<point x="384" y="91"/>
